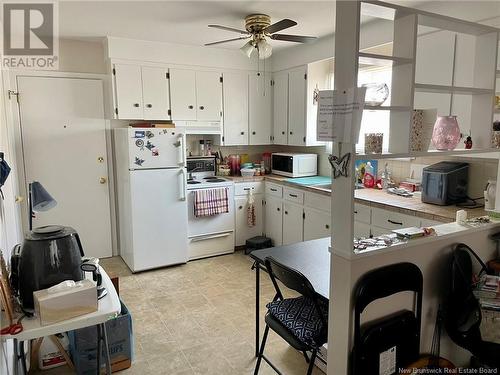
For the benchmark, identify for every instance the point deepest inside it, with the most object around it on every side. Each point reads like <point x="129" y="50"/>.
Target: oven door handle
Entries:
<point x="210" y="236"/>
<point x="182" y="187"/>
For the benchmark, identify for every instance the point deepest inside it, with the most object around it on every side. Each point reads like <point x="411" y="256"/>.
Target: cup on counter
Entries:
<point x="234" y="164"/>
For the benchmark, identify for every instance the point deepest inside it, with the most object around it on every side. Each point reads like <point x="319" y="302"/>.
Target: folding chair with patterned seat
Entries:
<point x="300" y="321"/>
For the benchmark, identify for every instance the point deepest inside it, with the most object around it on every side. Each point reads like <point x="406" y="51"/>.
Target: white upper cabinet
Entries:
<point x="208" y="96"/>
<point x="280" y="108"/>
<point x="297" y="90"/>
<point x="141" y="92"/>
<point x="155" y="94"/>
<point x="235" y="94"/>
<point x="183" y="94"/>
<point x="260" y="109"/>
<point x="128" y="92"/>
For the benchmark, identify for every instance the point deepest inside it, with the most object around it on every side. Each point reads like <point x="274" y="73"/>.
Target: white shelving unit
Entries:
<point x="459" y="78"/>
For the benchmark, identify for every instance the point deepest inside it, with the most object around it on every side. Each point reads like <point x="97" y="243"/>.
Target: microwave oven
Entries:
<point x="294" y="164"/>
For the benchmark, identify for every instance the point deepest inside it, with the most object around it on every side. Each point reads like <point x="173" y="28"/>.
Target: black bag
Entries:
<point x="4" y="172"/>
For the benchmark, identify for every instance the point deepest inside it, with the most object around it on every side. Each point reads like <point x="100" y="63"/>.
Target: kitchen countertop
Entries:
<point x="378" y="198"/>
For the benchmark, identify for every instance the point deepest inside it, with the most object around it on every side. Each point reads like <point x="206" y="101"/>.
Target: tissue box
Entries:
<point x="66" y="304"/>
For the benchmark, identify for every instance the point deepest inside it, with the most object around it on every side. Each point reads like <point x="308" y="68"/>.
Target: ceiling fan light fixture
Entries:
<point x="247" y="48"/>
<point x="264" y="48"/>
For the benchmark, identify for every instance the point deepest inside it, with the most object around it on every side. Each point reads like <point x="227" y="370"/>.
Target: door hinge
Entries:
<point x="116" y="110"/>
<point x="12" y="93"/>
<point x="114" y="71"/>
<point x="221" y="79"/>
<point x="304" y="139"/>
<point x="305" y="75"/>
<point x="169" y="112"/>
<point x="222" y="138"/>
<point x="272" y="82"/>
<point x="167" y="74"/>
<point x="303" y="215"/>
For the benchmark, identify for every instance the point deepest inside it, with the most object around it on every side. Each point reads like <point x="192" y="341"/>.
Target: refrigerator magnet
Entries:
<point x="139" y="143"/>
<point x="149" y="145"/>
<point x="139" y="161"/>
<point x="149" y="134"/>
<point x="140" y="134"/>
<point x="155" y="152"/>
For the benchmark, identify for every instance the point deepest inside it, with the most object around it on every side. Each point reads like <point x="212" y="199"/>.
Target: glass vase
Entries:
<point x="446" y="133"/>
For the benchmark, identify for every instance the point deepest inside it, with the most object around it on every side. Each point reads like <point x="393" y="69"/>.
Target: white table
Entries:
<point x="108" y="308"/>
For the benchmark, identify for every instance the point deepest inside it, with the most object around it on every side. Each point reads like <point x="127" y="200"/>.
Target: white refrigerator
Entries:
<point x="151" y="205"/>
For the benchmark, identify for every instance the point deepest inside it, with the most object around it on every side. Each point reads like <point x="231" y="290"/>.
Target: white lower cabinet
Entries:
<point x="293" y="223"/>
<point x="362" y="230"/>
<point x="242" y="229"/>
<point x="274" y="220"/>
<point x="316" y="224"/>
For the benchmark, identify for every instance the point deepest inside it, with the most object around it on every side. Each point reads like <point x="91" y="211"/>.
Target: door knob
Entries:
<point x="100" y="159"/>
<point x="103" y="180"/>
<point x="136" y="105"/>
<point x="149" y="105"/>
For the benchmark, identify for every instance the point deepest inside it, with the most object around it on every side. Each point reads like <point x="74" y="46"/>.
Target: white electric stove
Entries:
<point x="210" y="235"/>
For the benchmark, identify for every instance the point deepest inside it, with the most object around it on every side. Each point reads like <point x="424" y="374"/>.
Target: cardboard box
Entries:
<point x="83" y="345"/>
<point x="66" y="304"/>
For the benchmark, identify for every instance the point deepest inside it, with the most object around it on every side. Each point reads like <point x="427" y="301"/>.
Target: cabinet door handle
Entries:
<point x="355" y="212"/>
<point x="394" y="222"/>
<point x="279" y="209"/>
<point x="246" y="189"/>
<point x="273" y="189"/>
<point x="136" y="105"/>
<point x="242" y="133"/>
<point x="240" y="207"/>
<point x="286" y="212"/>
<point x="327" y="226"/>
<point x="293" y="195"/>
<point x="149" y="105"/>
<point x="283" y="132"/>
<point x="202" y="107"/>
<point x="291" y="133"/>
<point x="190" y="107"/>
<point x="253" y="133"/>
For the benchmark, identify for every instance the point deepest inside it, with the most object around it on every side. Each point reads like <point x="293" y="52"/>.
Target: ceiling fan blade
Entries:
<point x="280" y="25"/>
<point x="227" y="40"/>
<point x="294" y="38"/>
<point x="227" y="28"/>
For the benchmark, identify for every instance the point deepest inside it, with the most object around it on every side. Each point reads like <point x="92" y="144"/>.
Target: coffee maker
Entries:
<point x="47" y="256"/>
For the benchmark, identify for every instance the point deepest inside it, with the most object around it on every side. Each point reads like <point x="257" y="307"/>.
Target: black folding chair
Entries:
<point x="400" y="330"/>
<point x="300" y="321"/>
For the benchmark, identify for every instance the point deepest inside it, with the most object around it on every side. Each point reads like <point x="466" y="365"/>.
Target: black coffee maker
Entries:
<point x="48" y="255"/>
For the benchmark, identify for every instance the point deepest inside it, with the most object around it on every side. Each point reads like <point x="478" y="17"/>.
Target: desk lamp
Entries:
<point x="38" y="200"/>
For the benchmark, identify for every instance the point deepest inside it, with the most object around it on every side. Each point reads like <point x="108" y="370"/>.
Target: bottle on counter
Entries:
<point x="201" y="148"/>
<point x="369" y="177"/>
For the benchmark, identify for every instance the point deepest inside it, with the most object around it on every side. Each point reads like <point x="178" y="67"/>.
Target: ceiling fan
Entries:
<point x="258" y="28"/>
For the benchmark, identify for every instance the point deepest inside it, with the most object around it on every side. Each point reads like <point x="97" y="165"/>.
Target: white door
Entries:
<point x="159" y="218"/>
<point x="316" y="224"/>
<point x="274" y="220"/>
<point x="183" y="94"/>
<point x="260" y="111"/>
<point x="243" y="231"/>
<point x="155" y="93"/>
<point x="63" y="127"/>
<point x="293" y="223"/>
<point x="235" y="88"/>
<point x="208" y="96"/>
<point x="280" y="106"/>
<point x="297" y="97"/>
<point x="128" y="91"/>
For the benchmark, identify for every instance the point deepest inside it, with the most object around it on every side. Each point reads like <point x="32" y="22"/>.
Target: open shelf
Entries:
<point x="386" y="108"/>
<point x="430" y="153"/>
<point x="382" y="60"/>
<point x="423" y="87"/>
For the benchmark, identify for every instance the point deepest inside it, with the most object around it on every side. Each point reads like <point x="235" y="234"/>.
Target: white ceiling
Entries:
<point x="186" y="21"/>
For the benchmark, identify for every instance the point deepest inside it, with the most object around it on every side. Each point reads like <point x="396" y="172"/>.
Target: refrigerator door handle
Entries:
<point x="182" y="188"/>
<point x="182" y="151"/>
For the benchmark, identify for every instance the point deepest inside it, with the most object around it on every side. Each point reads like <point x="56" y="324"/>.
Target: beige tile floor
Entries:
<point x="199" y="318"/>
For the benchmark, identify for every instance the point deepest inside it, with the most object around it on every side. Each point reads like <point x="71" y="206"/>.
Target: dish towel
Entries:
<point x="251" y="220"/>
<point x="209" y="202"/>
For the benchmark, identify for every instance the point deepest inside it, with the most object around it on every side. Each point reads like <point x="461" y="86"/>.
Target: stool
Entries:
<point x="256" y="243"/>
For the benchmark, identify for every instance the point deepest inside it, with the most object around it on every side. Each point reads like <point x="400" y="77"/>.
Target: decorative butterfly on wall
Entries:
<point x="340" y="165"/>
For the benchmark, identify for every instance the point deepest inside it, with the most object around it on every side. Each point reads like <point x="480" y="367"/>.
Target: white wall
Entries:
<point x="81" y="56"/>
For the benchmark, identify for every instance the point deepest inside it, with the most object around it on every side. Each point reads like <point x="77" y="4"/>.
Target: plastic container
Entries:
<point x="247" y="172"/>
<point x="266" y="160"/>
<point x="49" y="355"/>
<point x="234" y="162"/>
